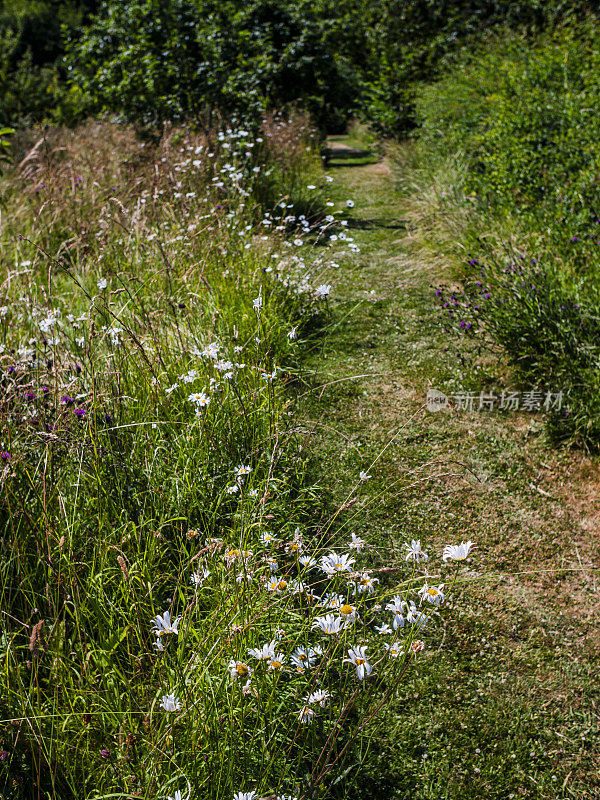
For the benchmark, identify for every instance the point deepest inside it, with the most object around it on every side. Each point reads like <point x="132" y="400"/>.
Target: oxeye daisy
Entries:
<point x="364" y="583"/>
<point x="398" y="606"/>
<point x="433" y="594"/>
<point x="457" y="552"/>
<point x="163" y="624"/>
<point x="170" y="703"/>
<point x="200" y="399"/>
<point x="320" y="697"/>
<point x="334" y="564"/>
<point x="263" y="653"/>
<point x="244" y="796"/>
<point x="358" y="657"/>
<point x="306" y="715"/>
<point x="273" y="563"/>
<point x="383" y="630"/>
<point x="198" y="578"/>
<point x="243" y="470"/>
<point x="329" y="624"/>
<point x="394" y="650"/>
<point x="349" y="612"/>
<point x="277" y="585"/>
<point x="414" y="552"/>
<point x="239" y="669"/>
<point x="276" y="663"/>
<point x="356" y="543"/>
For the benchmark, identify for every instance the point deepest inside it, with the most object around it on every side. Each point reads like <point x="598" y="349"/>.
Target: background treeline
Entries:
<point x="151" y="60"/>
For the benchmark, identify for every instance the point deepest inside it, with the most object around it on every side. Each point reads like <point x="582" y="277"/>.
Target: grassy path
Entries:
<point x="507" y="705"/>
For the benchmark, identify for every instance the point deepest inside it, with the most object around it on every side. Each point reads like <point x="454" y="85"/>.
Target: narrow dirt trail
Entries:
<point x="507" y="690"/>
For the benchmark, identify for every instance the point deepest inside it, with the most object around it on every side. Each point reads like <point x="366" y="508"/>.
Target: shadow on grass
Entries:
<point x="382" y="222"/>
<point x="348" y="157"/>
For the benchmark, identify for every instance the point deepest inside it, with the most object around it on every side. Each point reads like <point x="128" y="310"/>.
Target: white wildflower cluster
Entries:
<point x="314" y="614"/>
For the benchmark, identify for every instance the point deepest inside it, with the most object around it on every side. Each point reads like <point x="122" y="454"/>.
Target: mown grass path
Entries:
<point x="505" y="703"/>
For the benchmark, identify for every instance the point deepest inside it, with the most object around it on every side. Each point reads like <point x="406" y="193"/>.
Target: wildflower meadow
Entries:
<point x="183" y="618"/>
<point x="299" y="409"/>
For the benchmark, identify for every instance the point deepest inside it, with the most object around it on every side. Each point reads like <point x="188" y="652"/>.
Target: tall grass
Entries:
<point x="178" y="614"/>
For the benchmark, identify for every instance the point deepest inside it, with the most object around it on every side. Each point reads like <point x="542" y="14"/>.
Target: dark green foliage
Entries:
<point x="153" y="60"/>
<point x="414" y="40"/>
<point x="32" y="77"/>
<point x="522" y="117"/>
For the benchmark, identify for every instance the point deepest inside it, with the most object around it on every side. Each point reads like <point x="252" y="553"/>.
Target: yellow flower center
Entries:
<point x="241" y="669"/>
<point x="276" y="664"/>
<point x="282" y="585"/>
<point x="360" y="661"/>
<point x="346" y="609"/>
<point x="432" y="591"/>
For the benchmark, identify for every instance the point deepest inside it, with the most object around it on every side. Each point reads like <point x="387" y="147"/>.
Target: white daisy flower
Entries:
<point x="244" y="796"/>
<point x="243" y="470"/>
<point x="163" y="624"/>
<point x="239" y="669"/>
<point x="200" y="399"/>
<point x="350" y="203"/>
<point x="364" y="583"/>
<point x="349" y="612"/>
<point x="329" y="624"/>
<point x="394" y="650"/>
<point x="276" y="663"/>
<point x="433" y="594"/>
<point x="398" y="606"/>
<point x="457" y="552"/>
<point x="356" y="543"/>
<point x="277" y="585"/>
<point x="268" y="538"/>
<point x="414" y="552"/>
<point x="170" y="703"/>
<point x="273" y="563"/>
<point x="306" y="715"/>
<point x="323" y="290"/>
<point x="334" y="564"/>
<point x="383" y="630"/>
<point x="198" y="578"/>
<point x="320" y="697"/>
<point x="363" y="476"/>
<point x="358" y="657"/>
<point x="264" y="653"/>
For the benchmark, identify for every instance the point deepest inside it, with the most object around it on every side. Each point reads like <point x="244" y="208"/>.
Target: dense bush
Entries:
<point x="32" y="76"/>
<point x="153" y="60"/>
<point x="413" y="41"/>
<point x="525" y="116"/>
<point x="519" y="120"/>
